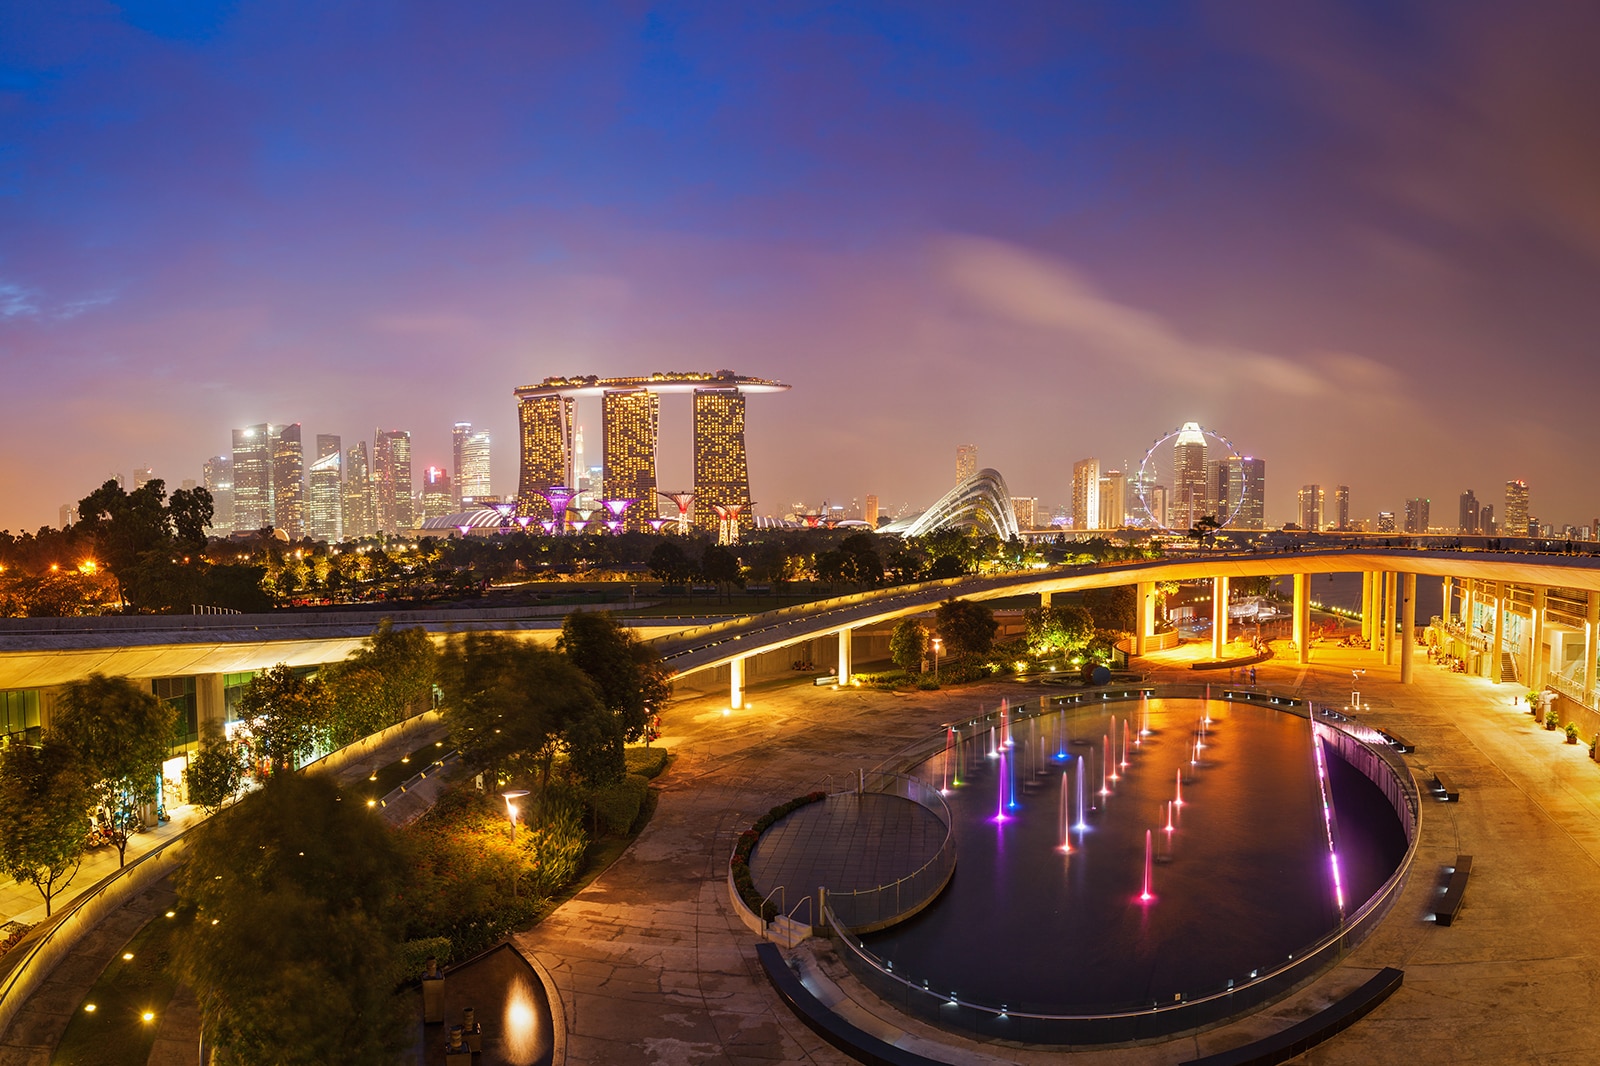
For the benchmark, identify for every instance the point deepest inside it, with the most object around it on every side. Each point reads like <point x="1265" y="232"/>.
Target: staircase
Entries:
<point x="1508" y="667"/>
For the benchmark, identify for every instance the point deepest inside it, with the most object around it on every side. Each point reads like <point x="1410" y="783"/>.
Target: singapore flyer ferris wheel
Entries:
<point x="1188" y="474"/>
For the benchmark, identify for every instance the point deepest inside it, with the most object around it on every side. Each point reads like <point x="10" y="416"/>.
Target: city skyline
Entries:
<point x="973" y="218"/>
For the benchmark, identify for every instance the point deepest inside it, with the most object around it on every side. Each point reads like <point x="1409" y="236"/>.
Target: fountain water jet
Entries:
<point x="1145" y="896"/>
<point x="1177" y="799"/>
<point x="1082" y="797"/>
<point x="1066" y="817"/>
<point x="1124" y="743"/>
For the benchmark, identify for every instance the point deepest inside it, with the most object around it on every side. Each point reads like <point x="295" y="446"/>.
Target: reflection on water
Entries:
<point x="521" y="1045"/>
<point x="1240" y="882"/>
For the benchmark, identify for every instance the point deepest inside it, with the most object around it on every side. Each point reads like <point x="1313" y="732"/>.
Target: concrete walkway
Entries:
<point x="654" y="968"/>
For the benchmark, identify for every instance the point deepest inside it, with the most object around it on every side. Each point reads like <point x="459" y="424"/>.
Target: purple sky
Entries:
<point x="1359" y="239"/>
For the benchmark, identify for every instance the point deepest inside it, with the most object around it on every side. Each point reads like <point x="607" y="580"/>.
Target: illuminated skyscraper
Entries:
<point x="630" y="422"/>
<point x="966" y="461"/>
<point x="1515" y="522"/>
<point x="1417" y="515"/>
<point x="1311" y="500"/>
<point x="325" y="490"/>
<point x="1187" y="504"/>
<point x="288" y="481"/>
<point x="721" y="474"/>
<point x="1246" y="496"/>
<point x="218" y="479"/>
<point x="547" y="431"/>
<point x="1113" y="500"/>
<point x="1341" y="507"/>
<point x="252" y="478"/>
<point x="1026" y="510"/>
<point x="438" y="496"/>
<point x="1086" y="494"/>
<point x="869" y="512"/>
<point x="471" y="464"/>
<point x="359" y="514"/>
<point x="1469" y="519"/>
<point x="142" y="475"/>
<point x="395" y="510"/>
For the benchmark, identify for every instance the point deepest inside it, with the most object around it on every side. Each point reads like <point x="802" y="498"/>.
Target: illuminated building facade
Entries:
<point x="631" y="419"/>
<point x="217" y="476"/>
<point x="1417" y="515"/>
<point x="252" y="478"/>
<point x="288" y="481"/>
<point x="359" y="517"/>
<point x="1340" y="519"/>
<point x="1113" y="500"/>
<point x="721" y="473"/>
<point x="438" y="493"/>
<point x="547" y="438"/>
<point x="966" y="461"/>
<point x="325" y="490"/>
<point x="393" y="507"/>
<point x="471" y="450"/>
<point x="1515" y="522"/>
<point x="1189" y="499"/>
<point x="1026" y="509"/>
<point x="1311" y="500"/>
<point x="1086" y="494"/>
<point x="1246" y="493"/>
<point x="869" y="512"/>
<point x="1470" y="517"/>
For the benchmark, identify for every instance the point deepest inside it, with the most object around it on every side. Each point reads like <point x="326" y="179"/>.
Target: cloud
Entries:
<point x="15" y="301"/>
<point x="1035" y="290"/>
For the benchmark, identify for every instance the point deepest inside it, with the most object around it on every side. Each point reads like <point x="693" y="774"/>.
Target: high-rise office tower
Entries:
<point x="1217" y="502"/>
<point x="547" y="432"/>
<point x="966" y="461"/>
<point x="1086" y="494"/>
<point x="1187" y="503"/>
<point x="252" y="478"/>
<point x="438" y="495"/>
<point x="1340" y="519"/>
<point x="1515" y="522"/>
<point x="393" y="504"/>
<point x="1486" y="520"/>
<point x="217" y="476"/>
<point x="1113" y="500"/>
<point x="325" y="490"/>
<point x="1026" y="509"/>
<point x="1311" y="500"/>
<point x="1469" y="517"/>
<point x="721" y="472"/>
<point x="629" y="422"/>
<point x="1385" y="521"/>
<point x="1247" y="492"/>
<point x="1157" y="497"/>
<point x="360" y="517"/>
<point x="471" y="464"/>
<point x="1417" y="515"/>
<point x="869" y="512"/>
<point x="142" y="475"/>
<point x="288" y="481"/>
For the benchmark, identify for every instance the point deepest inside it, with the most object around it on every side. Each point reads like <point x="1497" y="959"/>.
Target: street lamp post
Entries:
<point x="938" y="646"/>
<point x="510" y="795"/>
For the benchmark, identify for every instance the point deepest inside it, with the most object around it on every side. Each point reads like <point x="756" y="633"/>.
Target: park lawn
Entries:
<point x="115" y="1032"/>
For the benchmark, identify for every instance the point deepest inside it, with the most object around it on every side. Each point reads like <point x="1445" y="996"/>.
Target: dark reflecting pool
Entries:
<point x="1047" y="912"/>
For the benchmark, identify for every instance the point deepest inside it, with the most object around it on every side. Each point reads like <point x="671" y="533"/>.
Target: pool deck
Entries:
<point x="655" y="968"/>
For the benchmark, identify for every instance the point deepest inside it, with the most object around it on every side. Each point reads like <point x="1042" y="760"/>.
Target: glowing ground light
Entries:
<point x="149" y="1015"/>
<point x="89" y="1008"/>
<point x="521" y="1043"/>
<point x="127" y="956"/>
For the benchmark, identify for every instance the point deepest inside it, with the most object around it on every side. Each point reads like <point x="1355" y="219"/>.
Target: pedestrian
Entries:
<point x="1252" y="677"/>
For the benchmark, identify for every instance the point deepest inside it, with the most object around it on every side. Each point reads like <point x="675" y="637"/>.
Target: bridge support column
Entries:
<point x="1366" y="607"/>
<point x="1302" y="618"/>
<point x="1408" y="624"/>
<point x="1391" y="593"/>
<point x="1541" y="599"/>
<point x="1144" y="623"/>
<point x="1044" y="599"/>
<point x="736" y="682"/>
<point x="844" y="657"/>
<point x="1219" y="617"/>
<point x="1495" y="650"/>
<point x="1591" y="631"/>
<point x="1466" y="606"/>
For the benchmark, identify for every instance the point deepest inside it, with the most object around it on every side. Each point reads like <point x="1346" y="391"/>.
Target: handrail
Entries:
<point x="869" y="909"/>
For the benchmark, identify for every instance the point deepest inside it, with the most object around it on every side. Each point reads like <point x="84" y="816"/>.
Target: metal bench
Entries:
<point x="1454" y="891"/>
<point x="1447" y="786"/>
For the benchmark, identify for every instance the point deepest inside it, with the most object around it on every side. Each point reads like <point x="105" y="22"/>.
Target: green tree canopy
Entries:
<point x="215" y="774"/>
<point x="295" y="893"/>
<point x="669" y="564"/>
<point x="908" y="644"/>
<point x="1061" y="628"/>
<point x="44" y="806"/>
<point x="383" y="682"/>
<point x="632" y="681"/>
<point x="121" y="734"/>
<point x="968" y="628"/>
<point x="286" y="716"/>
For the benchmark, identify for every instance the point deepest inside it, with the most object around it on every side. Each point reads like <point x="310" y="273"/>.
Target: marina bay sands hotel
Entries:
<point x="630" y="414"/>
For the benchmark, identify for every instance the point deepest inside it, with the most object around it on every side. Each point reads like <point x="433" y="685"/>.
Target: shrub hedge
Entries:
<point x="746" y="845"/>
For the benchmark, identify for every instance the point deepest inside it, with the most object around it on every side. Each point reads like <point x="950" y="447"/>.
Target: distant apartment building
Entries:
<point x="1340" y="519"/>
<point x="1417" y="515"/>
<point x="1486" y="523"/>
<point x="966" y="461"/>
<point x="1026" y="509"/>
<point x="1516" y="510"/>
<point x="1086" y="494"/>
<point x="1311" y="501"/>
<point x="1113" y="500"/>
<point x="1469" y="517"/>
<point x="1385" y="521"/>
<point x="325" y="490"/>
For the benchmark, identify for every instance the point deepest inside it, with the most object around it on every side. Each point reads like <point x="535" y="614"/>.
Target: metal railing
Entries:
<point x="868" y="909"/>
<point x="1138" y="1021"/>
